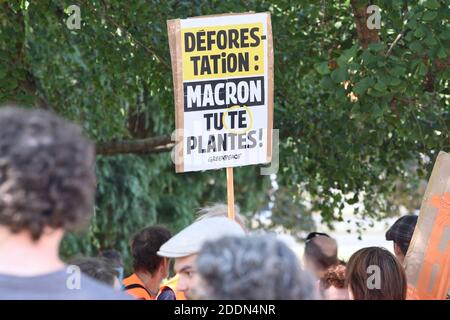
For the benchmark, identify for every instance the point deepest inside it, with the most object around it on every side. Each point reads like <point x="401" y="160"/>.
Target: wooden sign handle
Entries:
<point x="230" y="193"/>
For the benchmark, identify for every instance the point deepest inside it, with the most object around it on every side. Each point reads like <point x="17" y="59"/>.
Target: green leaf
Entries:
<point x="347" y="55"/>
<point x="376" y="47"/>
<point x="445" y="34"/>
<point x="377" y="111"/>
<point x="420" y="32"/>
<point x="422" y="69"/>
<point x="432" y="4"/>
<point x="375" y="93"/>
<point x="356" y="108"/>
<point x="368" y="58"/>
<point x="415" y="63"/>
<point x="397" y="71"/>
<point x="361" y="86"/>
<point x="2" y="71"/>
<point x="380" y="86"/>
<point x="327" y="83"/>
<point x="416" y="46"/>
<point x="441" y="53"/>
<point x="353" y="200"/>
<point x="322" y="68"/>
<point x="394" y="81"/>
<point x="340" y="74"/>
<point x="429" y="15"/>
<point x="10" y="85"/>
<point x="412" y="23"/>
<point x="409" y="36"/>
<point x="430" y="41"/>
<point x="25" y="99"/>
<point x="340" y="92"/>
<point x="4" y="55"/>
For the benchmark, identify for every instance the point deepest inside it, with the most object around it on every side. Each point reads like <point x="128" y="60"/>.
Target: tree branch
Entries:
<point x="397" y="39"/>
<point x="137" y="146"/>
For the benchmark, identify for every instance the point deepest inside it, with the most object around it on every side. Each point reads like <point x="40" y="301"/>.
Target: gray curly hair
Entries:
<point x="256" y="267"/>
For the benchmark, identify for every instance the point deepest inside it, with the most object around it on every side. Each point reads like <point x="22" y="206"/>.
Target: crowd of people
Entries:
<point x="47" y="188"/>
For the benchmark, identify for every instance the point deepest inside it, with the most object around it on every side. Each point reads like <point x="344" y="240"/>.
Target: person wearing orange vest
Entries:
<point x="149" y="268"/>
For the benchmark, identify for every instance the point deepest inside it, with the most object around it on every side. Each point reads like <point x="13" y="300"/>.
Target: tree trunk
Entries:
<point x="365" y="35"/>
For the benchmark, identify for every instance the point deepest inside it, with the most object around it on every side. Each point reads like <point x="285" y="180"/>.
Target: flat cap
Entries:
<point x="402" y="230"/>
<point x="190" y="240"/>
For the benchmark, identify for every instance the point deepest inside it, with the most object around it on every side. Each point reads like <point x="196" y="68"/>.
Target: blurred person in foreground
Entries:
<point x="99" y="269"/>
<point x="114" y="258"/>
<point x="185" y="246"/>
<point x="256" y="267"/>
<point x="47" y="187"/>
<point x="374" y="273"/>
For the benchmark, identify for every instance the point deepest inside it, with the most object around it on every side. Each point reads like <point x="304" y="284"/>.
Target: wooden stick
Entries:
<point x="230" y="193"/>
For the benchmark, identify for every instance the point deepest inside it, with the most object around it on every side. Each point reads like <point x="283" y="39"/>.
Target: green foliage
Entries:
<point x="354" y="124"/>
<point x="391" y="133"/>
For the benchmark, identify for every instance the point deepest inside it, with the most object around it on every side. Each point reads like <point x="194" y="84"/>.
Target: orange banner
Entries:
<point x="427" y="262"/>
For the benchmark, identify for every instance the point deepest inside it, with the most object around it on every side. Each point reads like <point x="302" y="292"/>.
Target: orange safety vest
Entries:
<point x="135" y="287"/>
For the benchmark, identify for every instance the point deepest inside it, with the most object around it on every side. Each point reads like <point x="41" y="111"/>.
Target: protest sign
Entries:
<point x="223" y="89"/>
<point x="427" y="262"/>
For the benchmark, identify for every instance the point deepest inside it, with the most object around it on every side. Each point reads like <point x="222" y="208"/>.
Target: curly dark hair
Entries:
<point x="144" y="246"/>
<point x="47" y="176"/>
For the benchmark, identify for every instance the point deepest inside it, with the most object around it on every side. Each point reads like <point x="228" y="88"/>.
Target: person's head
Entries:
<point x="47" y="177"/>
<point x="332" y="284"/>
<point x="375" y="274"/>
<point x="320" y="253"/>
<point x="220" y="210"/>
<point x="97" y="268"/>
<point x="113" y="256"/>
<point x="257" y="267"/>
<point x="186" y="245"/>
<point x="144" y="247"/>
<point x="401" y="233"/>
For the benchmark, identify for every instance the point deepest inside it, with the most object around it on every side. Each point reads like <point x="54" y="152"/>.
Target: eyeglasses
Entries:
<point x="119" y="274"/>
<point x="315" y="234"/>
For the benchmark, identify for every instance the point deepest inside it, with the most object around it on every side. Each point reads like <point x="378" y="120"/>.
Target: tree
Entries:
<point x="357" y="107"/>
